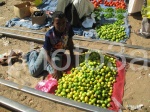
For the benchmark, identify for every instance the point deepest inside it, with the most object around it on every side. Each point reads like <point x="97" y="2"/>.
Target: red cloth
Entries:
<point x="118" y="87"/>
<point x="49" y="85"/>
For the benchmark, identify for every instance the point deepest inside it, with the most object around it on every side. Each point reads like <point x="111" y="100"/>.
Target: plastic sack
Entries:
<point x="49" y="85"/>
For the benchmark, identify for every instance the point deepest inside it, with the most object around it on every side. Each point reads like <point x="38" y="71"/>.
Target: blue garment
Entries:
<point x="26" y="22"/>
<point x="37" y="63"/>
<point x="47" y="5"/>
<point x="54" y="41"/>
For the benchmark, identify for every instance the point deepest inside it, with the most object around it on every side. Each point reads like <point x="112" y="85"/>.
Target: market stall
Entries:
<point x="108" y="14"/>
<point x="96" y="81"/>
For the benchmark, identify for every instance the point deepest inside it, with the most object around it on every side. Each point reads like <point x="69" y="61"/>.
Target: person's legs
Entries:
<point x="72" y="15"/>
<point x="37" y="62"/>
<point x="68" y="12"/>
<point x="76" y="21"/>
<point x="145" y="27"/>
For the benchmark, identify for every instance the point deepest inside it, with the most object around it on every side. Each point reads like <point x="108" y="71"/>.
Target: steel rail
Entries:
<point x="28" y="31"/>
<point x="54" y="98"/>
<point x="89" y="40"/>
<point x="113" y="43"/>
<point x="128" y="58"/>
<point x="14" y="106"/>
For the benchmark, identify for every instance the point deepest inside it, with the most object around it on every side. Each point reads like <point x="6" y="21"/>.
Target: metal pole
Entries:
<point x="83" y="39"/>
<point x="15" y="106"/>
<point x="128" y="57"/>
<point x="54" y="98"/>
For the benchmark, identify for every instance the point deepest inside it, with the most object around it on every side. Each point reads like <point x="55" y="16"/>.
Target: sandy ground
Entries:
<point x="136" y="89"/>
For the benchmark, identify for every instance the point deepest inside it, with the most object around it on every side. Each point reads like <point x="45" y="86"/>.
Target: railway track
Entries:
<point x="11" y="105"/>
<point x="140" y="54"/>
<point x="80" y="38"/>
<point x="72" y="104"/>
<point x="13" y="87"/>
<point x="50" y="97"/>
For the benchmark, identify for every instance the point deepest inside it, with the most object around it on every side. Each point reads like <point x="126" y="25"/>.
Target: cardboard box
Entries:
<point x="40" y="20"/>
<point x="33" y="8"/>
<point x="22" y="10"/>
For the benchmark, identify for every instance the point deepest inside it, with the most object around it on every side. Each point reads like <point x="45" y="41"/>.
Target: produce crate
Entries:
<point x="22" y="10"/>
<point x="109" y="15"/>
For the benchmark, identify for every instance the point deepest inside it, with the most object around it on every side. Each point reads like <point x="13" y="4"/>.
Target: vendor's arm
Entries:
<point x="49" y="58"/>
<point x="47" y="46"/>
<point x="70" y="47"/>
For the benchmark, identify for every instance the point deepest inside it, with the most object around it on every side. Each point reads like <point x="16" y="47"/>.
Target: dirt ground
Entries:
<point x="136" y="90"/>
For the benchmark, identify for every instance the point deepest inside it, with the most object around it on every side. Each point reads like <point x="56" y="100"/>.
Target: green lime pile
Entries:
<point x="119" y="22"/>
<point x="112" y="32"/>
<point x="91" y="82"/>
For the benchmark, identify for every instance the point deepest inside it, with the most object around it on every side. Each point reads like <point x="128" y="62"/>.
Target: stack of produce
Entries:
<point x="118" y="4"/>
<point x="112" y="32"/>
<point x="91" y="82"/>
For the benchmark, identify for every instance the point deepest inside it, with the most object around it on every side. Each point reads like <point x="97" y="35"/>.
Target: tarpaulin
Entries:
<point x="47" y="5"/>
<point x="118" y="88"/>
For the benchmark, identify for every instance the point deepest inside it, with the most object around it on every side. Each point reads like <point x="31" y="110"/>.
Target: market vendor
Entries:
<point x="144" y="31"/>
<point x="57" y="39"/>
<point x="75" y="10"/>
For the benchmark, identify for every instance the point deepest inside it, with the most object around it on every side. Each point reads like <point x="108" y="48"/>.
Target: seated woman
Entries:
<point x="75" y="10"/>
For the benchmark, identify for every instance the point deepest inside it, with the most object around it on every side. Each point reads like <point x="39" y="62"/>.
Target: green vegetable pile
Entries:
<point x="119" y="16"/>
<point x="109" y="10"/>
<point x="97" y="13"/>
<point x="112" y="32"/>
<point x="120" y="10"/>
<point x="108" y="15"/>
<point x="91" y="82"/>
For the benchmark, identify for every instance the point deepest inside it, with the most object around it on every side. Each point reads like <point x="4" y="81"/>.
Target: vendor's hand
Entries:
<point x="73" y="64"/>
<point x="55" y="74"/>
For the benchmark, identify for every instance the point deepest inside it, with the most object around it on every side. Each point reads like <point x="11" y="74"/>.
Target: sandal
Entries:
<point x="12" y="60"/>
<point x="8" y="60"/>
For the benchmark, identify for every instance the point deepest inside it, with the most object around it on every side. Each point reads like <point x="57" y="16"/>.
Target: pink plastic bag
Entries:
<point x="49" y="85"/>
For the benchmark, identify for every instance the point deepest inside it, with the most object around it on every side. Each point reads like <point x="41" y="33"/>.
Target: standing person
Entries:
<point x="57" y="39"/>
<point x="144" y="31"/>
<point x="75" y="10"/>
